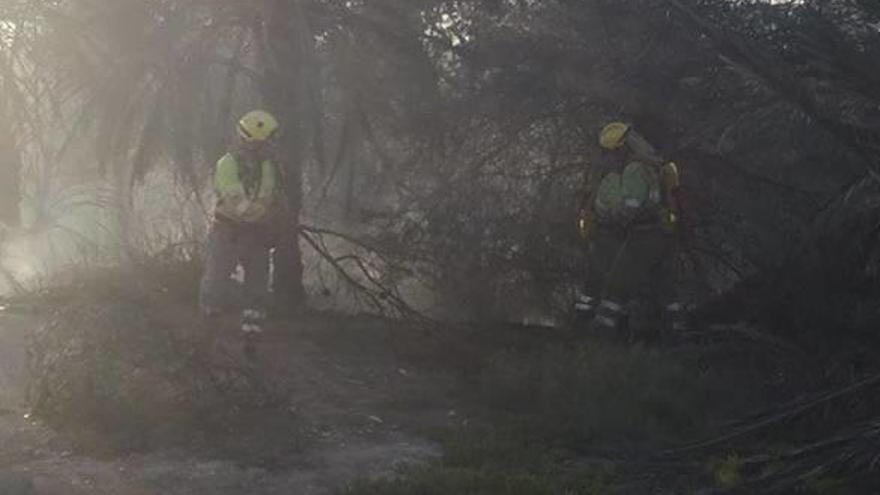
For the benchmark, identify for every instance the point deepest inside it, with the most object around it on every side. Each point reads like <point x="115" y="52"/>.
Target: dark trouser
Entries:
<point x="231" y="244"/>
<point x="630" y="274"/>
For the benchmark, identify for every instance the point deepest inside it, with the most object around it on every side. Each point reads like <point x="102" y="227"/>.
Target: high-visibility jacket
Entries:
<point x="245" y="193"/>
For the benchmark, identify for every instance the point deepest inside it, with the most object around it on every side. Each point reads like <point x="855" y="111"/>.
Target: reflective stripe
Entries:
<point x="251" y="328"/>
<point x="253" y="313"/>
<point x="675" y="307"/>
<point x="613" y="306"/>
<point x="244" y="131"/>
<point x="583" y="306"/>
<point x="585" y="299"/>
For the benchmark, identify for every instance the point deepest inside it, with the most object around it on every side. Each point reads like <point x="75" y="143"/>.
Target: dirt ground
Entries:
<point x="363" y="404"/>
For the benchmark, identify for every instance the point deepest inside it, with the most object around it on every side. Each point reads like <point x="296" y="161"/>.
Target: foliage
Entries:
<point x="726" y="471"/>
<point x="458" y="132"/>
<point x="449" y="139"/>
<point x="581" y="420"/>
<point x="490" y="462"/>
<point x="114" y="367"/>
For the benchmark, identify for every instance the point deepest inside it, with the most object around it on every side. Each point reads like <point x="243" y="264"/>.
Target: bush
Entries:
<point x="114" y="366"/>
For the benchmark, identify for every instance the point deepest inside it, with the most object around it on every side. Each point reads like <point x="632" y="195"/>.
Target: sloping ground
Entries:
<point x="347" y="406"/>
<point x="331" y="400"/>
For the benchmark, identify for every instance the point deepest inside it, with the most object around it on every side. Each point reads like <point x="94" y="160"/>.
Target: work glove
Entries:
<point x="670" y="176"/>
<point x="585" y="224"/>
<point x="242" y="205"/>
<point x="669" y="220"/>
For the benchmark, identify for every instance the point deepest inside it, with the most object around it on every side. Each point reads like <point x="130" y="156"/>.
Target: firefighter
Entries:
<point x="247" y="186"/>
<point x="628" y="216"/>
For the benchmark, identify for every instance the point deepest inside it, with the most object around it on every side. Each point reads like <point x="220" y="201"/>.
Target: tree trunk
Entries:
<point x="10" y="181"/>
<point x="286" y="92"/>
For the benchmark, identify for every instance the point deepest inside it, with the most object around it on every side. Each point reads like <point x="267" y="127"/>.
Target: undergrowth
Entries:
<point x="503" y="461"/>
<point x="568" y="419"/>
<point x="114" y="366"/>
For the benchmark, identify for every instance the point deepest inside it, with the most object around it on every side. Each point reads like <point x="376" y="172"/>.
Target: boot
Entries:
<point x="583" y="314"/>
<point x="252" y="321"/>
<point x="678" y="317"/>
<point x="584" y="304"/>
<point x="677" y="322"/>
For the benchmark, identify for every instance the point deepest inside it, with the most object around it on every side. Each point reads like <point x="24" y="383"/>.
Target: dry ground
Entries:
<point x="363" y="407"/>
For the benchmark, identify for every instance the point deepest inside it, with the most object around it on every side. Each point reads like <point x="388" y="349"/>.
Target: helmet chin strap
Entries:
<point x="254" y="149"/>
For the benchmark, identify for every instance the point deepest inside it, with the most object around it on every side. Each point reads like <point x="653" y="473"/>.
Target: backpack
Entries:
<point x="628" y="196"/>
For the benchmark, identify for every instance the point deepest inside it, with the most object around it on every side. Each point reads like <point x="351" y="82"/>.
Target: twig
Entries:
<point x="795" y="409"/>
<point x="379" y="296"/>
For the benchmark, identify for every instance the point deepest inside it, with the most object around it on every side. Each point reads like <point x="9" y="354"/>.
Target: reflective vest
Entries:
<point x="244" y="194"/>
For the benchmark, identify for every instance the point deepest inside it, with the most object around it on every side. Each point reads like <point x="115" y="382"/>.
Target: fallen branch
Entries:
<point x="380" y="296"/>
<point x="790" y="411"/>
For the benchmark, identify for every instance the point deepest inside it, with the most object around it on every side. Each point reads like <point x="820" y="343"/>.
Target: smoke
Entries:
<point x="31" y="257"/>
<point x="20" y="259"/>
<point x="79" y="226"/>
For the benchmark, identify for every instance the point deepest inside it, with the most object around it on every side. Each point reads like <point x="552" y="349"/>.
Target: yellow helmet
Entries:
<point x="613" y="135"/>
<point x="257" y="125"/>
